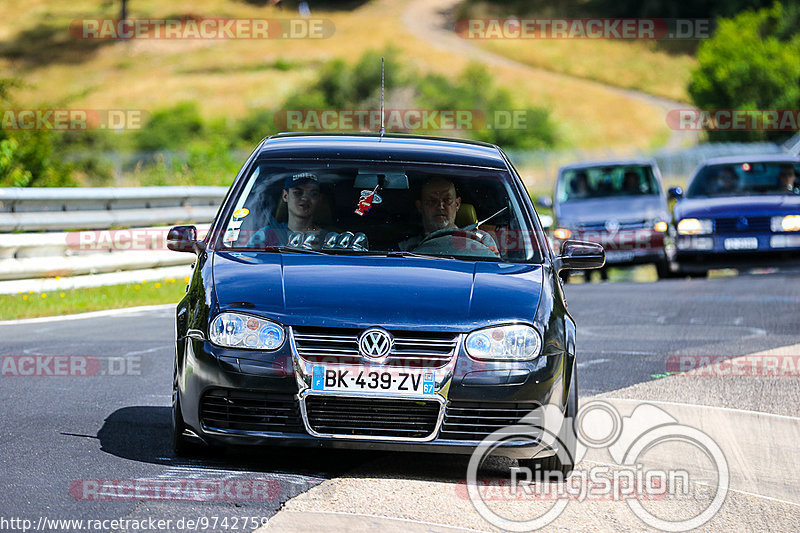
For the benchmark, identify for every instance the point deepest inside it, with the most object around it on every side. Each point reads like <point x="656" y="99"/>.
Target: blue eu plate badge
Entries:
<point x="428" y="383"/>
<point x="318" y="378"/>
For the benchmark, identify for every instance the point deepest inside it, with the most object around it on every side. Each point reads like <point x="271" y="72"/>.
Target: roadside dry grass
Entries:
<point x="228" y="78"/>
<point x="630" y="65"/>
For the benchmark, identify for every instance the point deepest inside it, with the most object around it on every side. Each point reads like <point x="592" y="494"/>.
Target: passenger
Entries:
<point x="630" y="183"/>
<point x="787" y="180"/>
<point x="580" y="185"/>
<point x="301" y="194"/>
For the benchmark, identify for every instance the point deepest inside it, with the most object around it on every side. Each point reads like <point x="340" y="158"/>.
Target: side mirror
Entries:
<point x="184" y="239"/>
<point x="580" y="255"/>
<point x="545" y="202"/>
<point x="675" y="193"/>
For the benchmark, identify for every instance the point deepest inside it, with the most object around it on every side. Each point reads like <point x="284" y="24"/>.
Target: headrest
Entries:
<point x="466" y="215"/>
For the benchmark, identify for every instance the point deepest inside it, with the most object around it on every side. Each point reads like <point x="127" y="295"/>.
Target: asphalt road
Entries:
<point x="70" y="447"/>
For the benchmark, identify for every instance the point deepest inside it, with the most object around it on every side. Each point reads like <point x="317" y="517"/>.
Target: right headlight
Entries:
<point x="236" y="330"/>
<point x="695" y="226"/>
<point x="786" y="223"/>
<point x="516" y="342"/>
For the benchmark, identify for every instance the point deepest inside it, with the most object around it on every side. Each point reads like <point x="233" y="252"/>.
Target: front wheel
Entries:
<point x="180" y="445"/>
<point x="562" y="463"/>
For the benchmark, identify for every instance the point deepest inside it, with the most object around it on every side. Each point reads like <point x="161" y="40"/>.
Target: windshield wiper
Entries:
<point x="401" y="253"/>
<point x="292" y="249"/>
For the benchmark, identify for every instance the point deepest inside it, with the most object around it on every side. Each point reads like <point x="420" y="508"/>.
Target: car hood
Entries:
<point x="737" y="205"/>
<point x="393" y="292"/>
<point x="619" y="208"/>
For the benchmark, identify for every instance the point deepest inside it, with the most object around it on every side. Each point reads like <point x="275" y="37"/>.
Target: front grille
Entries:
<point x="250" y="411"/>
<point x="477" y="420"/>
<point x="623" y="225"/>
<point x="372" y="417"/>
<point x="742" y="225"/>
<point x="340" y="345"/>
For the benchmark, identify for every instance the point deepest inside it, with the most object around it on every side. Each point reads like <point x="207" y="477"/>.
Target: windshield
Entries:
<point x="604" y="181"/>
<point x="745" y="178"/>
<point x="389" y="209"/>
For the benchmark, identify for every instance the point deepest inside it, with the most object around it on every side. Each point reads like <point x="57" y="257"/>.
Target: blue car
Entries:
<point x="381" y="292"/>
<point x="739" y="212"/>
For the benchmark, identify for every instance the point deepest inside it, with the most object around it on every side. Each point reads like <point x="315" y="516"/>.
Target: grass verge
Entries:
<point x="70" y="301"/>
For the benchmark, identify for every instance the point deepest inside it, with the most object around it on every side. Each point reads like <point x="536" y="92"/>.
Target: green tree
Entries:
<point x="28" y="157"/>
<point x="171" y="128"/>
<point x="751" y="62"/>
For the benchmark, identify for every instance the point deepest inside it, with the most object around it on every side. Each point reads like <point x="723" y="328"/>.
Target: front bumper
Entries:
<point x="472" y="398"/>
<point x="702" y="253"/>
<point x="629" y="247"/>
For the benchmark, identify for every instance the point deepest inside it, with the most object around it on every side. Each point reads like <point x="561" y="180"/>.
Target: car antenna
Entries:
<point x="383" y="130"/>
<point x="485" y="220"/>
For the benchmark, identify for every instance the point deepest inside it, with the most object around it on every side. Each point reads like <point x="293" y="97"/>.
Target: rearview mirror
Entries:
<point x="580" y="255"/>
<point x="184" y="239"/>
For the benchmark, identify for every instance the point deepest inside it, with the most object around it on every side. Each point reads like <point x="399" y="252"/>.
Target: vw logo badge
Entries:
<point x="742" y="223"/>
<point x="612" y="225"/>
<point x="375" y="343"/>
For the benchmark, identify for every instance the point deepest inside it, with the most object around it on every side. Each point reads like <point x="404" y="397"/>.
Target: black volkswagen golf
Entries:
<point x="374" y="291"/>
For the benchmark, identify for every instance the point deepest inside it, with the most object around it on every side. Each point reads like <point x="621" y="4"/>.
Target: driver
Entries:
<point x="438" y="205"/>
<point x="787" y="180"/>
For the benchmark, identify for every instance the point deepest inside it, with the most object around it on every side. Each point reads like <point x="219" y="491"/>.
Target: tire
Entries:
<point x="561" y="465"/>
<point x="699" y="275"/>
<point x="663" y="271"/>
<point x="181" y="445"/>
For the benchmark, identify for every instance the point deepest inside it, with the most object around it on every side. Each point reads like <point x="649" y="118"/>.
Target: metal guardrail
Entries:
<point x="42" y="248"/>
<point x="49" y="209"/>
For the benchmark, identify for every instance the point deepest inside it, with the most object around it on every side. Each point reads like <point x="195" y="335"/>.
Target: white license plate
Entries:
<point x="370" y="379"/>
<point x="741" y="243"/>
<point x="619" y="256"/>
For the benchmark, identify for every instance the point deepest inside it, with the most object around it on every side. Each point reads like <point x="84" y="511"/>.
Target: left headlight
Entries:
<point x="236" y="330"/>
<point x="516" y="342"/>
